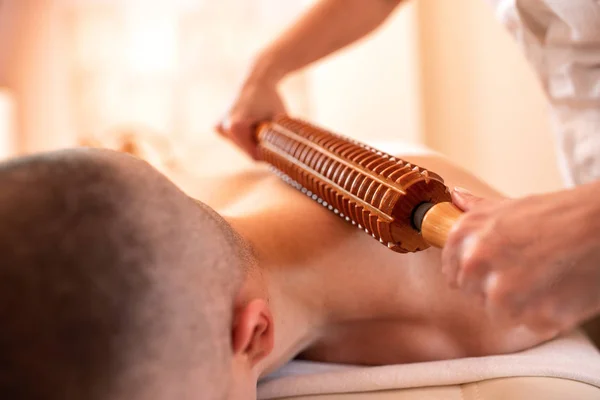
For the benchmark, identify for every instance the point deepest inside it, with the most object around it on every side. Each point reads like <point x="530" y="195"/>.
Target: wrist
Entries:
<point x="266" y="70"/>
<point x="592" y="192"/>
<point x="583" y="212"/>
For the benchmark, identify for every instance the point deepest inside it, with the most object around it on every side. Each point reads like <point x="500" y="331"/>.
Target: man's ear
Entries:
<point x="252" y="331"/>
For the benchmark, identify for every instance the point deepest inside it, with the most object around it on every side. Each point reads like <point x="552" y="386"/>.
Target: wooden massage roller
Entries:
<point x="404" y="206"/>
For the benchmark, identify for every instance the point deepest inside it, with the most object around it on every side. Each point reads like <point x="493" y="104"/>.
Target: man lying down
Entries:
<point x="115" y="284"/>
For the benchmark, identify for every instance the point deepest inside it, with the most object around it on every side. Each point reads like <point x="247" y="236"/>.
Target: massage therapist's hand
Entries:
<point x="257" y="100"/>
<point x="534" y="261"/>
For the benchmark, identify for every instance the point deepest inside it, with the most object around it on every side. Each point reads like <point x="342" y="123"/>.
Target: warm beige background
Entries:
<point x="440" y="73"/>
<point x="372" y="90"/>
<point x="483" y="105"/>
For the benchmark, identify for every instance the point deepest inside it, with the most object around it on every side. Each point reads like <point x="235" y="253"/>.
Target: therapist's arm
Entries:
<point x="325" y="28"/>
<point x="534" y="261"/>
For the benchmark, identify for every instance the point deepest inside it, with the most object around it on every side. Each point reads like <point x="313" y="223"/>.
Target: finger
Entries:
<point x="541" y="318"/>
<point x="497" y="308"/>
<point x="560" y="306"/>
<point x="505" y="299"/>
<point x="450" y="265"/>
<point x="464" y="199"/>
<point x="220" y="129"/>
<point x="451" y="254"/>
<point x="244" y="134"/>
<point x="241" y="145"/>
<point x="499" y="315"/>
<point x="474" y="266"/>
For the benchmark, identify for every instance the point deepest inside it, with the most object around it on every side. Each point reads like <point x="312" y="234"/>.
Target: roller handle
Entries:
<point x="435" y="221"/>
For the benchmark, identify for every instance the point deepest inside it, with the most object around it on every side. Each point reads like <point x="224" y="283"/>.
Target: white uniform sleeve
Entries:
<point x="561" y="38"/>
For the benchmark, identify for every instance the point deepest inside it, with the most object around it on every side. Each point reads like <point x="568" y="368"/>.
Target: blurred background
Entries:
<point x="444" y="74"/>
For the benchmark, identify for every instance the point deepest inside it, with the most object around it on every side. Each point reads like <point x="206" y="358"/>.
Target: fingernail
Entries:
<point x="461" y="190"/>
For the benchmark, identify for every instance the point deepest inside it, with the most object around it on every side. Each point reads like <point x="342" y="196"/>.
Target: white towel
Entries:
<point x="571" y="356"/>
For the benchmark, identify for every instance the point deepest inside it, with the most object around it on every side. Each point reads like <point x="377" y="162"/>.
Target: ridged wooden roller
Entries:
<point x="404" y="206"/>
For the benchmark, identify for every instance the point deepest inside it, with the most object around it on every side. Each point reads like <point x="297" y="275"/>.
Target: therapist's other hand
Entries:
<point x="533" y="261"/>
<point x="257" y="101"/>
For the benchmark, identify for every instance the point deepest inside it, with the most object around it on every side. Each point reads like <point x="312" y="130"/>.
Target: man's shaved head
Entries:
<point x="113" y="283"/>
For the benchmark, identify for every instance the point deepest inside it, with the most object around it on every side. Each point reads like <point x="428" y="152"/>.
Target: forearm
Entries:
<point x="583" y="200"/>
<point x="327" y="27"/>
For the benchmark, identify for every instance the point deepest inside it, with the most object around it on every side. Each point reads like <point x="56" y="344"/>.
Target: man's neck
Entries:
<point x="296" y="308"/>
<point x="296" y="324"/>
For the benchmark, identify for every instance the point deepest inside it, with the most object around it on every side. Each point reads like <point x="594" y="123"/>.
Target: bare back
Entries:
<point x="390" y="300"/>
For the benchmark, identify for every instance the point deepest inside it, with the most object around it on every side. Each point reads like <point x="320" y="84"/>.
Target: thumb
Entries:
<point x="464" y="199"/>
